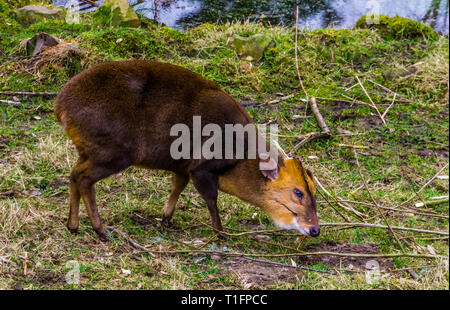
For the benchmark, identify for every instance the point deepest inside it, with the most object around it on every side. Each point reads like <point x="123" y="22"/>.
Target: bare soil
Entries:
<point x="256" y="275"/>
<point x="344" y="262"/>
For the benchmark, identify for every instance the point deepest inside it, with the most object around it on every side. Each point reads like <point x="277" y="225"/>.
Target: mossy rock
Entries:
<point x="31" y="14"/>
<point x="397" y="27"/>
<point x="117" y="13"/>
<point x="253" y="46"/>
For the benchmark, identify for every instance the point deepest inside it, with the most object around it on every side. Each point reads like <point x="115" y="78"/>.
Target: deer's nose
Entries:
<point x="314" y="231"/>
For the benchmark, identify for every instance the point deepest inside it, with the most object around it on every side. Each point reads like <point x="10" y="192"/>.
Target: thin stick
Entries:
<point x="426" y="184"/>
<point x="280" y="99"/>
<point x="385" y="88"/>
<point x="325" y="133"/>
<point x="344" y="100"/>
<point x="131" y="241"/>
<point x="319" y="117"/>
<point x="300" y="254"/>
<point x="385" y="112"/>
<point x="27" y="93"/>
<point x="431" y="202"/>
<point x="338" y="200"/>
<point x="395" y="210"/>
<point x="331" y="205"/>
<point x="425" y="231"/>
<point x="375" y="202"/>
<point x="10" y="102"/>
<point x="354" y="146"/>
<point x="371" y="101"/>
<point x="309" y="138"/>
<point x="296" y="58"/>
<point x="90" y="2"/>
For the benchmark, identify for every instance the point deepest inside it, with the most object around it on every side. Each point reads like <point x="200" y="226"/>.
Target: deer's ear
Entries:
<point x="268" y="166"/>
<point x="309" y="173"/>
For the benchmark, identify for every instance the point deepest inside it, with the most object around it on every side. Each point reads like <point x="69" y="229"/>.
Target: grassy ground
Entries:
<point x="396" y="159"/>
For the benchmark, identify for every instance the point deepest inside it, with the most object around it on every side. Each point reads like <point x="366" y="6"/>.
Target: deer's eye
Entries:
<point x="298" y="193"/>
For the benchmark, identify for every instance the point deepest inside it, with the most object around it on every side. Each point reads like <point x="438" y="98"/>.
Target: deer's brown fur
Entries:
<point x="120" y="114"/>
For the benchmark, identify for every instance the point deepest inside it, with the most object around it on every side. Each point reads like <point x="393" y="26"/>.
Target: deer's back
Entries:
<point x="127" y="109"/>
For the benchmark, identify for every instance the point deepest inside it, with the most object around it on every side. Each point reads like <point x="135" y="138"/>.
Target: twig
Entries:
<point x="431" y="202"/>
<point x="395" y="210"/>
<point x="287" y="266"/>
<point x="375" y="202"/>
<point x="331" y="205"/>
<point x="354" y="146"/>
<point x="426" y="184"/>
<point x="27" y="93"/>
<point x="425" y="231"/>
<point x="10" y="102"/>
<point x="385" y="88"/>
<point x="338" y="200"/>
<point x="387" y="109"/>
<point x="319" y="116"/>
<point x="325" y="133"/>
<point x="371" y="101"/>
<point x="131" y="241"/>
<point x="296" y="59"/>
<point x="389" y="255"/>
<point x="310" y="137"/>
<point x="344" y="100"/>
<point x="280" y="99"/>
<point x="90" y="2"/>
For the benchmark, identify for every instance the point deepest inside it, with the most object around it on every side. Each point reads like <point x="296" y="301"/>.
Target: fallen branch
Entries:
<point x="325" y="133"/>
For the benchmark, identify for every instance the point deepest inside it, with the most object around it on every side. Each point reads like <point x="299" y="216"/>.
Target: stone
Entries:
<point x="252" y="48"/>
<point x="118" y="13"/>
<point x="397" y="27"/>
<point x="37" y="43"/>
<point x="31" y="14"/>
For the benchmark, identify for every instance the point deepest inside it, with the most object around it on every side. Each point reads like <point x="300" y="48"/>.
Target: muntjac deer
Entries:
<point x="120" y="114"/>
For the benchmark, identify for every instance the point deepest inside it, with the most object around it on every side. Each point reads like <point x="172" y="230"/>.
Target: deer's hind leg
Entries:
<point x="85" y="176"/>
<point x="179" y="183"/>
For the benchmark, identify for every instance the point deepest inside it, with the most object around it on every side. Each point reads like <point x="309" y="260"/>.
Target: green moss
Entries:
<point x="397" y="27"/>
<point x="116" y="14"/>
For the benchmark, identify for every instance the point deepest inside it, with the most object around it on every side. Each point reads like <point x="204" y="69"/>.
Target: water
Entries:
<point x="314" y="14"/>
